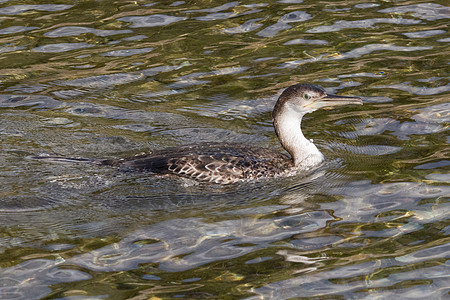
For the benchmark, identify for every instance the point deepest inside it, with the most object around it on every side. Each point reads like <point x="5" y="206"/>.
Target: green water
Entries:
<point x="109" y="79"/>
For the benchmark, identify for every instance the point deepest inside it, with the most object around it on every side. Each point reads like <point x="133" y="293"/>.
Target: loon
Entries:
<point x="231" y="163"/>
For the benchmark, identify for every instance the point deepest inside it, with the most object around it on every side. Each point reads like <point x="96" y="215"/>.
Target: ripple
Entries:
<point x="151" y="20"/>
<point x="216" y="16"/>
<point x="427" y="11"/>
<point x="59" y="247"/>
<point x="424" y="33"/>
<point x="400" y="129"/>
<point x="413" y="128"/>
<point x="374" y="150"/>
<point x="366" y="5"/>
<point x="369" y="199"/>
<point x="248" y="26"/>
<point x="137" y="127"/>
<point x="228" y="109"/>
<point x="16" y="29"/>
<point x="25" y="88"/>
<point x="377" y="99"/>
<point x="128" y="52"/>
<point x="374" y="126"/>
<point x="332" y="233"/>
<point x="367" y="23"/>
<point x="441" y="251"/>
<point x="337" y="9"/>
<point x="104" y="81"/>
<point x="439" y="113"/>
<point x="290" y="1"/>
<point x="77" y="30"/>
<point x="438" y="177"/>
<point x="422" y="91"/>
<point x="363" y="74"/>
<point x="30" y="279"/>
<point x="112" y="112"/>
<point x="93" y="110"/>
<point x="215" y="9"/>
<point x="308" y="42"/>
<point x="208" y="242"/>
<point x="6" y="49"/>
<point x="68" y="94"/>
<point x="327" y="282"/>
<point x="258" y="260"/>
<point x="27" y="204"/>
<point x="135" y="38"/>
<point x="157" y="70"/>
<point x="355" y="53"/>
<point x="283" y="23"/>
<point x="177" y="3"/>
<point x="37" y="101"/>
<point x="66" y="275"/>
<point x="18" y="9"/>
<point x="196" y="78"/>
<point x="435" y="165"/>
<point x="61" y="47"/>
<point x="319" y="285"/>
<point x="184" y="135"/>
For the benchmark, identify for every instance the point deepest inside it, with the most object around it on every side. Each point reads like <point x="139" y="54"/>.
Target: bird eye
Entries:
<point x="306" y="96"/>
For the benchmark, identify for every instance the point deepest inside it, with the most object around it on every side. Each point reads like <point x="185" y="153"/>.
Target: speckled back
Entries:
<point x="215" y="162"/>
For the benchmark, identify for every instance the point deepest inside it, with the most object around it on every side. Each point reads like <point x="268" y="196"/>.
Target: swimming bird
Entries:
<point x="230" y="163"/>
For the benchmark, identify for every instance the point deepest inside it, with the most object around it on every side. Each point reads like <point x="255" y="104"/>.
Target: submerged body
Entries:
<point x="230" y="163"/>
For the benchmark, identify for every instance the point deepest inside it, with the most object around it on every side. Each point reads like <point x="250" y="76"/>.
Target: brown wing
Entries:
<point x="219" y="163"/>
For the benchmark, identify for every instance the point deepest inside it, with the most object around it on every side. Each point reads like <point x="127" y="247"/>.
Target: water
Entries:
<point x="108" y="79"/>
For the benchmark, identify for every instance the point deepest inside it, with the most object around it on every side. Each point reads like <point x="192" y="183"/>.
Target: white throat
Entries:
<point x="287" y="125"/>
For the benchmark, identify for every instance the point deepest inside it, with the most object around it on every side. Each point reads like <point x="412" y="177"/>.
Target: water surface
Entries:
<point x="108" y="79"/>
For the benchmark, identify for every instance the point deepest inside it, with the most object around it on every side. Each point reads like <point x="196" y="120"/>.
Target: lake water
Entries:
<point x="111" y="79"/>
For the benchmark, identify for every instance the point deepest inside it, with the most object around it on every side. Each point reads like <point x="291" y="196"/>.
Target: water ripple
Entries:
<point x="405" y="86"/>
<point x="77" y="30"/>
<point x="367" y="23"/>
<point x="61" y="47"/>
<point x="308" y="42"/>
<point x="248" y="26"/>
<point x="18" y="9"/>
<point x="439" y="113"/>
<point x="117" y="78"/>
<point x="222" y="241"/>
<point x="441" y="251"/>
<point x="355" y="53"/>
<point x="16" y="29"/>
<point x="283" y="23"/>
<point x="424" y="33"/>
<point x="366" y="5"/>
<point x="6" y="49"/>
<point x="30" y="279"/>
<point x="427" y="11"/>
<point x="37" y="101"/>
<point x="104" y="81"/>
<point x="375" y="150"/>
<point x="290" y="1"/>
<point x="151" y="20"/>
<point x="403" y="130"/>
<point x="214" y="9"/>
<point x="128" y="52"/>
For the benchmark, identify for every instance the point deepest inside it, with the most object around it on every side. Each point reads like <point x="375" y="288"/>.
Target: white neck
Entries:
<point x="304" y="153"/>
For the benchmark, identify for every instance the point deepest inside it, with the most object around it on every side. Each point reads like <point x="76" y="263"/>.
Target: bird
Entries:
<point x="226" y="163"/>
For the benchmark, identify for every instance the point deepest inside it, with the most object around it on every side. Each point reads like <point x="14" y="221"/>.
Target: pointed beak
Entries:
<point x="333" y="100"/>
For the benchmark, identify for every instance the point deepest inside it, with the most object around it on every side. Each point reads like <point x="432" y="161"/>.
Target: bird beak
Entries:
<point x="334" y="100"/>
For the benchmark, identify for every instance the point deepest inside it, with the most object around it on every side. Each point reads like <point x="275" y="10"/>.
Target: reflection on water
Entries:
<point x="112" y="79"/>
